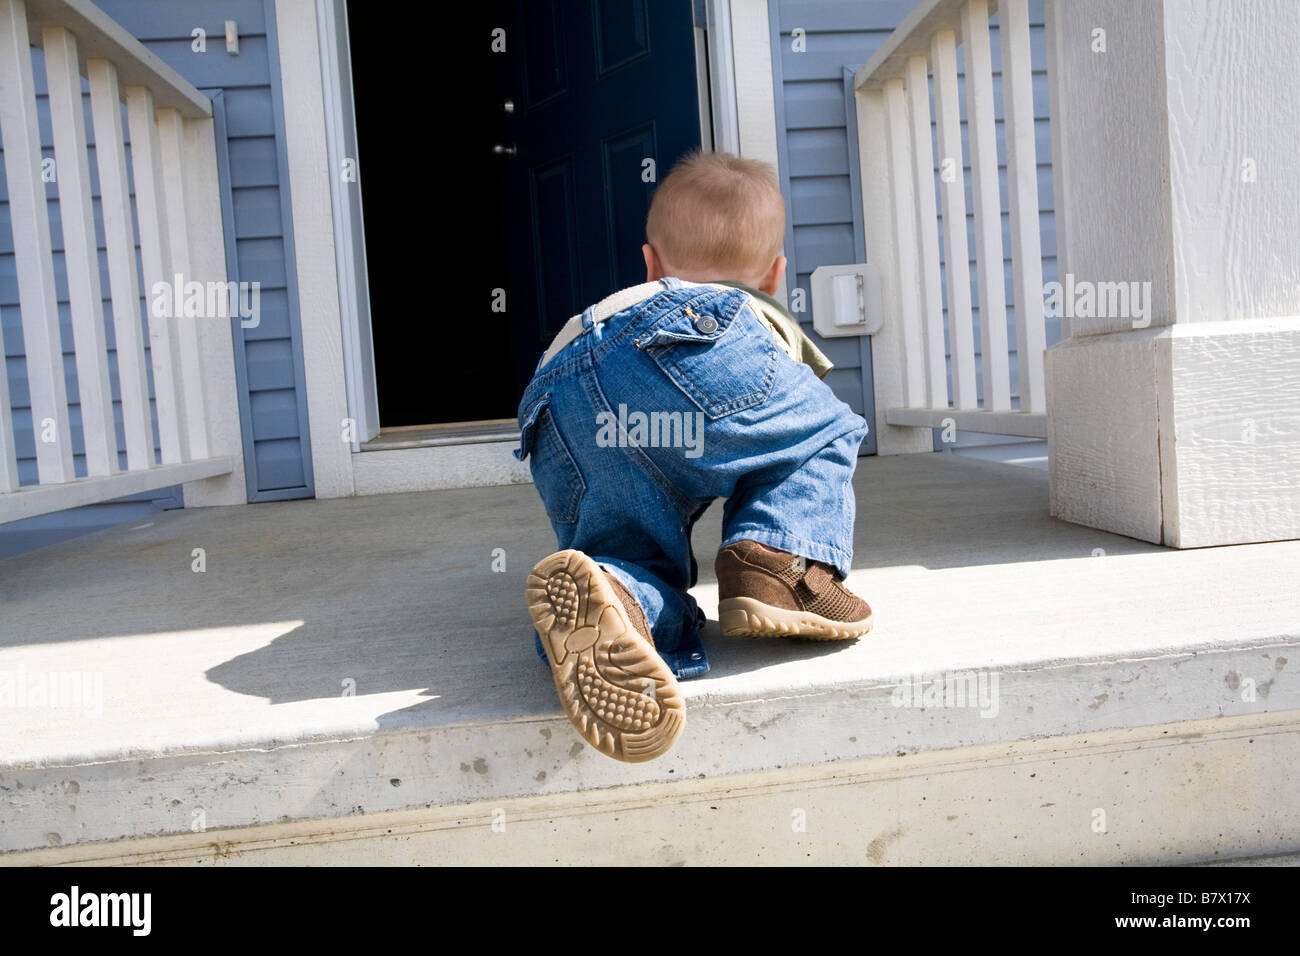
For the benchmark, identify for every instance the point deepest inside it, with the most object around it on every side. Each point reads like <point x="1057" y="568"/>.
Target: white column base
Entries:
<point x="1187" y="435"/>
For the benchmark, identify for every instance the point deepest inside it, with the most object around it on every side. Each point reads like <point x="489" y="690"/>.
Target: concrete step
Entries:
<point x="343" y="669"/>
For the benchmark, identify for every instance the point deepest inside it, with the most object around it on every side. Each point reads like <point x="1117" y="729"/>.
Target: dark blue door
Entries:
<point x="604" y="101"/>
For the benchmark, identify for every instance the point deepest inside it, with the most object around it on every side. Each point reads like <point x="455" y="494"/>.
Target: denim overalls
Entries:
<point x="639" y="423"/>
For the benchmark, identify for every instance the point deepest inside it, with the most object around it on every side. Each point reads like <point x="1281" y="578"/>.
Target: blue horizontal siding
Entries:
<point x="842" y="16"/>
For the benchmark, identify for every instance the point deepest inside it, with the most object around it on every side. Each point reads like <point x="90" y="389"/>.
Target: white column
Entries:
<point x="1174" y="407"/>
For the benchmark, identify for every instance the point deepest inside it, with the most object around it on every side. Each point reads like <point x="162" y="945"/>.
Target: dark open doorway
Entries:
<point x="508" y="169"/>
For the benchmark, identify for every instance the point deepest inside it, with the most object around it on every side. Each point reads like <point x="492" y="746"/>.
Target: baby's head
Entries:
<point x="716" y="216"/>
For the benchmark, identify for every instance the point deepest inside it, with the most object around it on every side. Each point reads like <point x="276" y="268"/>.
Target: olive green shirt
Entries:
<point x="786" y="328"/>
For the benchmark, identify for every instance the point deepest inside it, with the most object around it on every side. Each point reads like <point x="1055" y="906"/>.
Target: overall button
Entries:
<point x="706" y="325"/>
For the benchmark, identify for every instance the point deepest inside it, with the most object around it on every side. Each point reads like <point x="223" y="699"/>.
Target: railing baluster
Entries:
<point x="33" y="254"/>
<point x="918" y="97"/>
<point x="171" y="132"/>
<point x="1022" y="193"/>
<point x="155" y="261"/>
<point x="952" y="192"/>
<point x="119" y="238"/>
<point x="901" y="172"/>
<point x="980" y="120"/>
<point x="879" y="205"/>
<point x="86" y="299"/>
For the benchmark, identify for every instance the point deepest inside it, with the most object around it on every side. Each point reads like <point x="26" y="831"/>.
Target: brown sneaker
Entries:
<point x="615" y="688"/>
<point x="763" y="592"/>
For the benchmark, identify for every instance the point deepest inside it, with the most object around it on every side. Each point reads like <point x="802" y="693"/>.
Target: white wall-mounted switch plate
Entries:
<point x="846" y="300"/>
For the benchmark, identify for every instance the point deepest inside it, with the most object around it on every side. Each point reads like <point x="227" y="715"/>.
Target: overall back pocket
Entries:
<point x="717" y="352"/>
<point x="555" y="473"/>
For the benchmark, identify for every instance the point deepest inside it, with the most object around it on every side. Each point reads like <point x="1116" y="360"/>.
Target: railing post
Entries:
<point x="214" y="337"/>
<point x="155" y="261"/>
<point x="33" y="254"/>
<point x="988" y="205"/>
<point x="952" y="192"/>
<point x="918" y="98"/>
<point x="887" y="345"/>
<point x="172" y="150"/>
<point x="1022" y="196"/>
<point x="86" y="298"/>
<point x="901" y="175"/>
<point x="123" y="284"/>
<point x="1057" y="109"/>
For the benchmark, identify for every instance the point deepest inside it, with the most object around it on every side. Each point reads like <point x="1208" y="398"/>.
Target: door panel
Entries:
<point x="602" y="87"/>
<point x="628" y="200"/>
<point x="622" y="33"/>
<point x="543" y="52"/>
<point x="553" y="229"/>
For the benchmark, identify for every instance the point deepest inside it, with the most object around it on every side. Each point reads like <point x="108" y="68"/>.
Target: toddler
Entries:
<point x="693" y="386"/>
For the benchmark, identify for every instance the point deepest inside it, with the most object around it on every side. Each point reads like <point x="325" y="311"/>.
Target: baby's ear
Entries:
<point x="653" y="268"/>
<point x="772" y="281"/>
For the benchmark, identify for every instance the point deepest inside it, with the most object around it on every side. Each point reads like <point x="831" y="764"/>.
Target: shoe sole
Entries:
<point x="615" y="688"/>
<point x="746" y="617"/>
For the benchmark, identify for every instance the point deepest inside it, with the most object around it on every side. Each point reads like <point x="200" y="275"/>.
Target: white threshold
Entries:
<point x="438" y="457"/>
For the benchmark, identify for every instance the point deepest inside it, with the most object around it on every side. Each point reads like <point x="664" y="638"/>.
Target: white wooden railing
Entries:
<point x="898" y="183"/>
<point x="79" y="40"/>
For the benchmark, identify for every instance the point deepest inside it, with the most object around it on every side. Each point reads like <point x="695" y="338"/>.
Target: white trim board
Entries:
<point x="722" y="78"/>
<point x="702" y="88"/>
<point x="751" y="42"/>
<point x="314" y="257"/>
<point x="755" y="98"/>
<point x="349" y="227"/>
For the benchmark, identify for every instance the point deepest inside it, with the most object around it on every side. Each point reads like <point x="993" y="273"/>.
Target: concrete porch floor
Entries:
<point x="355" y="657"/>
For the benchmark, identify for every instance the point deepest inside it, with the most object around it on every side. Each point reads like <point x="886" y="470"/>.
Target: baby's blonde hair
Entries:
<point x="718" y="213"/>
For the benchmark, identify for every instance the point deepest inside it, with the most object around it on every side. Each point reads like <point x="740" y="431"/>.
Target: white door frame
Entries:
<point x="475" y="462"/>
<point x="721" y="80"/>
<point x="349" y="227"/>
